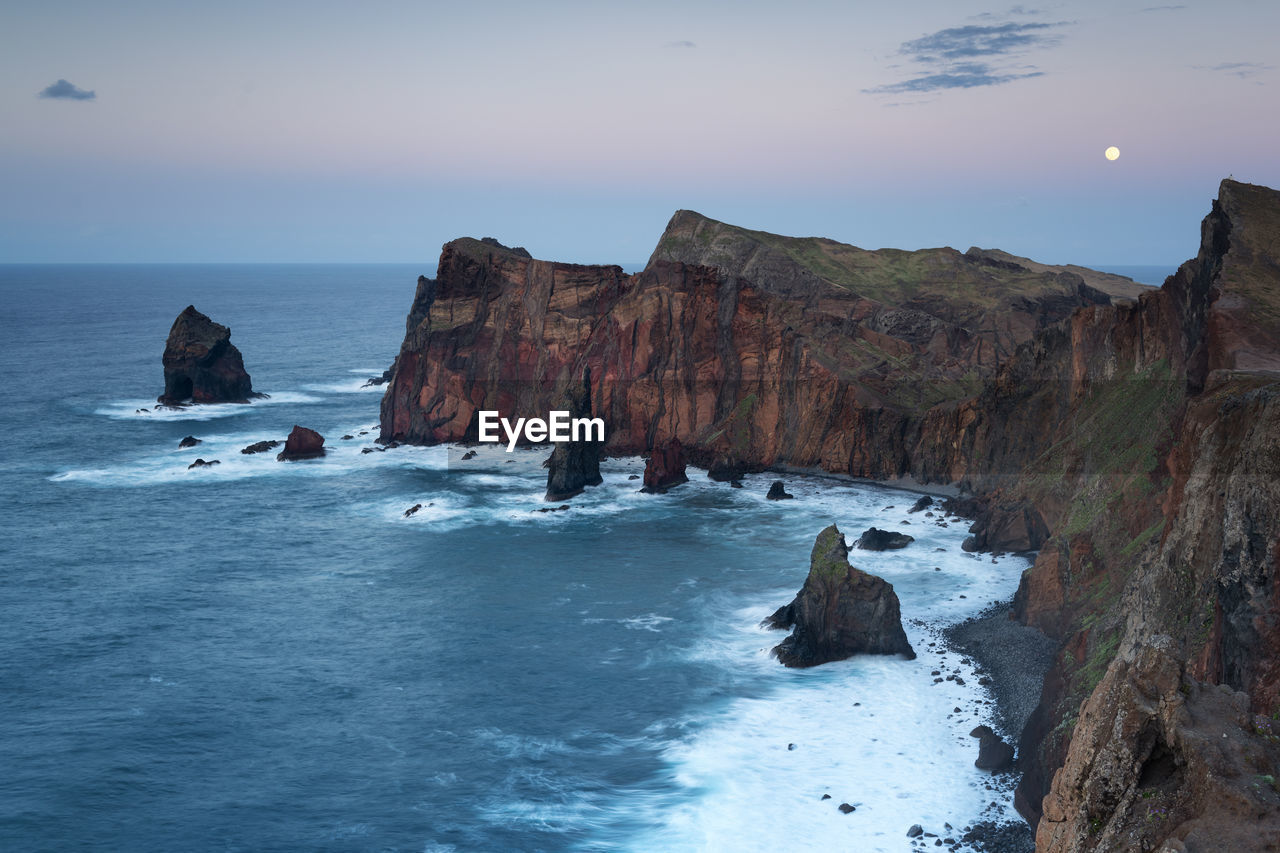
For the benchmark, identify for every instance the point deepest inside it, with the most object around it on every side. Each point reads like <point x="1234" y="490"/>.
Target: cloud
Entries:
<point x="1162" y="8"/>
<point x="974" y="55"/>
<point x="681" y="43"/>
<point x="1243" y="70"/>
<point x="67" y="91"/>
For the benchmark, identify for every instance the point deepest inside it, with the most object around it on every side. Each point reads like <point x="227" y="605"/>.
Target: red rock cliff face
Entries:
<point x="799" y="370"/>
<point x="1136" y="445"/>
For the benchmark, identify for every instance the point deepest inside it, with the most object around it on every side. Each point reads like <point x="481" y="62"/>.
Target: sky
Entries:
<point x="376" y="131"/>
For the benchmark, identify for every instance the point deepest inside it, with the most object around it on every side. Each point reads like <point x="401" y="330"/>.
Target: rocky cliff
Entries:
<point x="201" y="365"/>
<point x="1142" y="441"/>
<point x="1134" y="443"/>
<point x="758" y="351"/>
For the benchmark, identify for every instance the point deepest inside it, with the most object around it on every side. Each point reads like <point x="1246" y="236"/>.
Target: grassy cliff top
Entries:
<point x="979" y="278"/>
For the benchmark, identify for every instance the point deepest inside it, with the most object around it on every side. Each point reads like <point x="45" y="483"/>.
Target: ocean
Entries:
<point x="267" y="656"/>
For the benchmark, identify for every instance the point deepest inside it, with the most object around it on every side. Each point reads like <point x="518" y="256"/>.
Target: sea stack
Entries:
<point x="665" y="468"/>
<point x="201" y="365"/>
<point x="574" y="465"/>
<point x="302" y="443"/>
<point x="839" y="612"/>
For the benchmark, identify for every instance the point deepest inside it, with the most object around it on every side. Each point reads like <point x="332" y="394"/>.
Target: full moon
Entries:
<point x="1112" y="153"/>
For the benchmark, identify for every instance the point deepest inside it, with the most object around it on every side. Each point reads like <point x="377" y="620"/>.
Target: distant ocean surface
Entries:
<point x="1143" y="274"/>
<point x="266" y="656"/>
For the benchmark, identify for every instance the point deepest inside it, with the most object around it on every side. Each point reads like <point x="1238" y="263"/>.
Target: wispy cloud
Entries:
<point x="1243" y="70"/>
<point x="974" y="55"/>
<point x="67" y="91"/>
<point x="1162" y="8"/>
<point x="681" y="43"/>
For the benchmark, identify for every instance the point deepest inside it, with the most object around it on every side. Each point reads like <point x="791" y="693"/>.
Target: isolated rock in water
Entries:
<point x="189" y="441"/>
<point x="840" y="611"/>
<point x="302" y="443"/>
<point x="725" y="469"/>
<point x="374" y="381"/>
<point x="261" y="447"/>
<point x="778" y="493"/>
<point x="200" y="463"/>
<point x="470" y="454"/>
<point x="876" y="539"/>
<point x="664" y="468"/>
<point x="411" y="511"/>
<point x="201" y="365"/>
<point x="574" y="465"/>
<point x="925" y="501"/>
<point x="993" y="753"/>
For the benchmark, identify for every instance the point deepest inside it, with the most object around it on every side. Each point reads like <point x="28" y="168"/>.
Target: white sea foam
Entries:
<point x="875" y="732"/>
<point x="346" y="386"/>
<point x="146" y="409"/>
<point x="169" y="465"/>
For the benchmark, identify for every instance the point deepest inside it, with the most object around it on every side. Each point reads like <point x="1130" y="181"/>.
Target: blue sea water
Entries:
<point x="266" y="656"/>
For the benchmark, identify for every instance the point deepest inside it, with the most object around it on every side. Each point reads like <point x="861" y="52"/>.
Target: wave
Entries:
<point x="169" y="466"/>
<point x="148" y="410"/>
<point x="348" y="386"/>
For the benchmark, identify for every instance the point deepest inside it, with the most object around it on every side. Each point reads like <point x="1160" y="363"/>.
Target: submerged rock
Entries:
<point x="839" y="612"/>
<point x="922" y="503"/>
<point x="777" y="492"/>
<point x="664" y="468"/>
<point x="574" y="465"/>
<point x="189" y="441"/>
<point x="302" y="443"/>
<point x="201" y="365"/>
<point x="875" y="539"/>
<point x="261" y="447"/>
<point x="993" y="753"/>
<point x="200" y="463"/>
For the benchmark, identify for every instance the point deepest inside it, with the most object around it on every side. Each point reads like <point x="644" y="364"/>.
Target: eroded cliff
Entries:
<point x="1135" y="445"/>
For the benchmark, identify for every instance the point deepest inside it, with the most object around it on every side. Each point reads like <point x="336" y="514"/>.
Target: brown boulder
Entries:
<point x="664" y="467"/>
<point x="302" y="443"/>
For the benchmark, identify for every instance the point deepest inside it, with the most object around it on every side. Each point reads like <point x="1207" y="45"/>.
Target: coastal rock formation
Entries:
<point x="993" y="753"/>
<point x="189" y="441"/>
<point x="260" y="447"/>
<point x="875" y="539"/>
<point x="200" y="463"/>
<point x="201" y="365"/>
<point x="665" y="467"/>
<point x="574" y="465"/>
<point x="1133" y="444"/>
<point x="778" y="492"/>
<point x="302" y="443"/>
<point x="839" y="612"/>
<point x="825" y="356"/>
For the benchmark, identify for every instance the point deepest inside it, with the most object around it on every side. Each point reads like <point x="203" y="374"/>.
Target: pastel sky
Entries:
<point x="376" y="131"/>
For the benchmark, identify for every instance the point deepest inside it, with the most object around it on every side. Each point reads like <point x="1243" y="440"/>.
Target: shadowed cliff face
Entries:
<point x="756" y="363"/>
<point x="1146" y="436"/>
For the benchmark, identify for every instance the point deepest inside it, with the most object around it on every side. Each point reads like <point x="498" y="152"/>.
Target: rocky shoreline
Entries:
<point x="1013" y="656"/>
<point x="1012" y="660"/>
